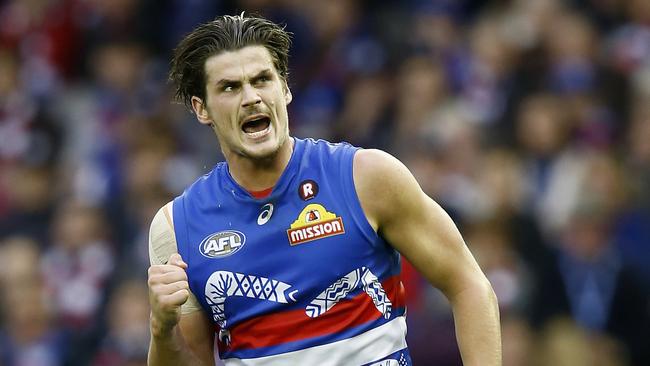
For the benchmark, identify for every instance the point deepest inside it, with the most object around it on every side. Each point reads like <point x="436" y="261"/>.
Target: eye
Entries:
<point x="228" y="88"/>
<point x="262" y="79"/>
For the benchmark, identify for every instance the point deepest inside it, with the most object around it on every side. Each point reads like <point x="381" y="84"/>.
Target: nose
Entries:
<point x="250" y="96"/>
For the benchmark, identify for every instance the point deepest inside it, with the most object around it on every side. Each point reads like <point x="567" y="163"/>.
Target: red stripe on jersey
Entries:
<point x="277" y="328"/>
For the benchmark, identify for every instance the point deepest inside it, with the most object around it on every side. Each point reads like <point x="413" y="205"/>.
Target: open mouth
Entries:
<point x="256" y="125"/>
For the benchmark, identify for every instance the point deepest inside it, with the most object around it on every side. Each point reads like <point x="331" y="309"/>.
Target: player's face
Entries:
<point x="246" y="102"/>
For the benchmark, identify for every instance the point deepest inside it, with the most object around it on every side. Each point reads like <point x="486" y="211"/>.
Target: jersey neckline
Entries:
<point x="290" y="171"/>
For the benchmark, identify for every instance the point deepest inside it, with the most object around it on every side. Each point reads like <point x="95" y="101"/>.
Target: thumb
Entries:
<point x="176" y="260"/>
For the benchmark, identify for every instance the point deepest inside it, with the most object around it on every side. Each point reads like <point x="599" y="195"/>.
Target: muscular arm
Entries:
<point x="181" y="334"/>
<point x="423" y="232"/>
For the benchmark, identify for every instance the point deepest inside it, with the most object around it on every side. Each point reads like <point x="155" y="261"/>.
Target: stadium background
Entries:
<point x="528" y="120"/>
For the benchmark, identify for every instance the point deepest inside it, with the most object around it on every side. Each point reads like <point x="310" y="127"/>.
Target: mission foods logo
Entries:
<point x="314" y="222"/>
<point x="222" y="244"/>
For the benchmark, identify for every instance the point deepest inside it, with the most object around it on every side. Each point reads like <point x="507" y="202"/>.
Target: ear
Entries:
<point x="201" y="111"/>
<point x="287" y="93"/>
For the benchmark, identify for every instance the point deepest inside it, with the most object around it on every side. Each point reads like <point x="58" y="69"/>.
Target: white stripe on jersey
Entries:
<point x="367" y="347"/>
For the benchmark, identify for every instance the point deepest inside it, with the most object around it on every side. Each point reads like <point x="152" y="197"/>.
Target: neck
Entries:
<point x="259" y="174"/>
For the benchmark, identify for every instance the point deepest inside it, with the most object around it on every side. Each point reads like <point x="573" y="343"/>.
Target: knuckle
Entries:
<point x="179" y="269"/>
<point x="155" y="280"/>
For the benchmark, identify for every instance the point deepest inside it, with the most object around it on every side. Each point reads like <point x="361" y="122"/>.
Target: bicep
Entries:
<point x="426" y="235"/>
<point x="198" y="332"/>
<point x="413" y="223"/>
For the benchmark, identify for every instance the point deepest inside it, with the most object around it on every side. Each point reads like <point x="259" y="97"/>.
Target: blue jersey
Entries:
<point x="296" y="278"/>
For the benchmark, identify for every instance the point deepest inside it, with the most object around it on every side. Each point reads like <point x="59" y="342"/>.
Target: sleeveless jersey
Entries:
<point x="298" y="277"/>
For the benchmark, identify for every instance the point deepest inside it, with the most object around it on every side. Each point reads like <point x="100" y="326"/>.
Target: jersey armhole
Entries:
<point x="352" y="198"/>
<point x="179" y="219"/>
<point x="180" y="228"/>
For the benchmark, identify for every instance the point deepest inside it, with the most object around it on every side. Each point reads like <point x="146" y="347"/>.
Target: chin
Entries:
<point x="267" y="150"/>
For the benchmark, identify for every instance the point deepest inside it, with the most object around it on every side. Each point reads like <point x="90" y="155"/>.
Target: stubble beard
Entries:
<point x="266" y="159"/>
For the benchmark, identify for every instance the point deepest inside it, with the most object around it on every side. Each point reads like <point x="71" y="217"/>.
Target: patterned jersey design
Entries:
<point x="343" y="286"/>
<point x="223" y="284"/>
<point x="404" y="359"/>
<point x="386" y="363"/>
<point x="373" y="288"/>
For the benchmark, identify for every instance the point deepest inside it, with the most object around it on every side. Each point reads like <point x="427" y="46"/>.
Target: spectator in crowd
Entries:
<point x="127" y="337"/>
<point x="29" y="334"/>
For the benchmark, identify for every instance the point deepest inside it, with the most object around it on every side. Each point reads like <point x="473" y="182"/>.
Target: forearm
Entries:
<point x="478" y="330"/>
<point x="167" y="349"/>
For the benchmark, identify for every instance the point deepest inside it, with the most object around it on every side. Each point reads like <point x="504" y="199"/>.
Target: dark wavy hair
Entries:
<point x="225" y="33"/>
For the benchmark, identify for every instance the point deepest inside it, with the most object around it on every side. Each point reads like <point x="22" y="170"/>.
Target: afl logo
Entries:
<point x="222" y="244"/>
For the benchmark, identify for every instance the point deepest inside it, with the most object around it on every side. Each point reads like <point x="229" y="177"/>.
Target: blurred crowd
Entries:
<point x="527" y="120"/>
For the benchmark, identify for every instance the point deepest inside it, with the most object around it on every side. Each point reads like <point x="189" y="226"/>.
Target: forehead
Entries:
<point x="238" y="64"/>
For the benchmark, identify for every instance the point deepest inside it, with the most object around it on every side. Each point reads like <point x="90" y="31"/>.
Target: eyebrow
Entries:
<point x="262" y="73"/>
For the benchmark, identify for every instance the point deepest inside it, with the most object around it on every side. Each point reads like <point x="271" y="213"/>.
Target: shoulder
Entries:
<point x="384" y="184"/>
<point x="377" y="171"/>
<point x="373" y="162"/>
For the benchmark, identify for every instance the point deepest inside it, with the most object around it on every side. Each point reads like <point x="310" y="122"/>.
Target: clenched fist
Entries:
<point x="168" y="290"/>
